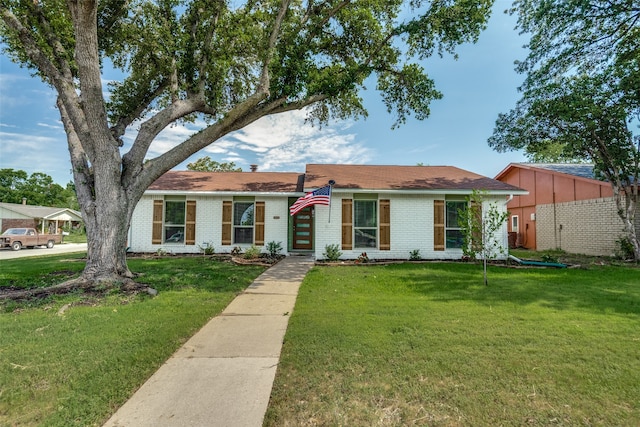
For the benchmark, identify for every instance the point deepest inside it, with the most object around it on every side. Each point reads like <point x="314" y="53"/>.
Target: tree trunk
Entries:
<point x="627" y="203"/>
<point x="107" y="227"/>
<point x="630" y="229"/>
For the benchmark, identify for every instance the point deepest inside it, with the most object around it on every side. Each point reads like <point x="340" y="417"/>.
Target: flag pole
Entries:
<point x="331" y="182"/>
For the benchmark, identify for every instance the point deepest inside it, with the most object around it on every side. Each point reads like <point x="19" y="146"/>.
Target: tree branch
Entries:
<point x="132" y="160"/>
<point x="119" y="128"/>
<point x="47" y="69"/>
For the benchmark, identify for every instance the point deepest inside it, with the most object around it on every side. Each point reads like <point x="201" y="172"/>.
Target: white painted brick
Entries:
<point x="411" y="226"/>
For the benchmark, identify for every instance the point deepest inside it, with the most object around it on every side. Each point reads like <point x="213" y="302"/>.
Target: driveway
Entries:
<point x="7" y="253"/>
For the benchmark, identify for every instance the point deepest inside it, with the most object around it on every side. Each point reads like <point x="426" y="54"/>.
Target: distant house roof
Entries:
<point x="372" y="177"/>
<point x="354" y="177"/>
<point x="582" y="170"/>
<point x="43" y="212"/>
<point x="252" y="182"/>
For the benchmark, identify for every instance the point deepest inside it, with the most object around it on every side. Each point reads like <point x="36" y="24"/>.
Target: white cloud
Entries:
<point x="35" y="153"/>
<point x="59" y="126"/>
<point x="286" y="142"/>
<point x="282" y="142"/>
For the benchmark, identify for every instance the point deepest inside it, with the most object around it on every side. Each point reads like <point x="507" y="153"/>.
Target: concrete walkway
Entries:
<point x="223" y="375"/>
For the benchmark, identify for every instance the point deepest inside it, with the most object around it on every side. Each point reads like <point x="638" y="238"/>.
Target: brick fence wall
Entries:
<point x="588" y="227"/>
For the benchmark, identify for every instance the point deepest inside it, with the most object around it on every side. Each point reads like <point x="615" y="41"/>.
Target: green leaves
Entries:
<point x="406" y="91"/>
<point x="38" y="188"/>
<point x="205" y="164"/>
<point x="581" y="93"/>
<point x="177" y="49"/>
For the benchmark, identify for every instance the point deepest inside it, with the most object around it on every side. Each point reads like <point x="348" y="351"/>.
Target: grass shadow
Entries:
<point x="603" y="289"/>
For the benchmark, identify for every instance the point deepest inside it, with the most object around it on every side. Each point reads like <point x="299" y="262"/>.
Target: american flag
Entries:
<point x="321" y="196"/>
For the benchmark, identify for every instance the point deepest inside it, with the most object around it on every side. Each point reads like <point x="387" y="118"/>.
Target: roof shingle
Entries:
<point x="357" y="177"/>
<point x="259" y="182"/>
<point x="378" y="177"/>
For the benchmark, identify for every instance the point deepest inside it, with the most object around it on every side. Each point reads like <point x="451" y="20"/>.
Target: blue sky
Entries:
<point x="477" y="87"/>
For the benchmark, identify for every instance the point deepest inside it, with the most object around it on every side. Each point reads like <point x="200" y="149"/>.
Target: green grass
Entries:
<point x="77" y="367"/>
<point x="75" y="237"/>
<point x="428" y="344"/>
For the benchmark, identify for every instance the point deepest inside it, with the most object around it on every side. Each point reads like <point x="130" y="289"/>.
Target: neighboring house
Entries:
<point x="385" y="211"/>
<point x="567" y="208"/>
<point x="42" y="218"/>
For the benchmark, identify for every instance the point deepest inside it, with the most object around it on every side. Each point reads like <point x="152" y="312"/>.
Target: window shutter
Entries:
<point x="156" y="233"/>
<point x="190" y="232"/>
<point x="227" y="217"/>
<point x="476" y="236"/>
<point x="438" y="225"/>
<point x="385" y="225"/>
<point x="347" y="224"/>
<point x="259" y="224"/>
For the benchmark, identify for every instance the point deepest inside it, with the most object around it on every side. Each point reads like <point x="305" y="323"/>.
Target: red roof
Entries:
<point x="368" y="177"/>
<point x="357" y="177"/>
<point x="261" y="182"/>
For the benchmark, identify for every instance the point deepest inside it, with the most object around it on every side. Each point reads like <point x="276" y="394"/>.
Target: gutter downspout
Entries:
<point x="508" y="221"/>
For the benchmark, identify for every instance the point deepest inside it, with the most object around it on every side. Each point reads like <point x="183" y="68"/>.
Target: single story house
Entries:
<point x="385" y="211"/>
<point x="566" y="208"/>
<point x="42" y="218"/>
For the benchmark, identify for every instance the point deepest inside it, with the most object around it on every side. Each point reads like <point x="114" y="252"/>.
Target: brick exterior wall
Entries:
<point x="411" y="226"/>
<point x="589" y="227"/>
<point x="18" y="223"/>
<point x="208" y="224"/>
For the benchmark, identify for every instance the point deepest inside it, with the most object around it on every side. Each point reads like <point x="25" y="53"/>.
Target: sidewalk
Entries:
<point x="7" y="253"/>
<point x="223" y="375"/>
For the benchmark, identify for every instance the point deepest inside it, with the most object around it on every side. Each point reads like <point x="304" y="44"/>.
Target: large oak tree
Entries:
<point x="229" y="62"/>
<point x="581" y="95"/>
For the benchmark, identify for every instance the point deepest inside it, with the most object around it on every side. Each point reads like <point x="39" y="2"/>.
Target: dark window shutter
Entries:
<point x="347" y="224"/>
<point x="259" y="224"/>
<point x="190" y="233"/>
<point x="438" y="225"/>
<point x="156" y="233"/>
<point x="227" y="217"/>
<point x="476" y="237"/>
<point x="385" y="225"/>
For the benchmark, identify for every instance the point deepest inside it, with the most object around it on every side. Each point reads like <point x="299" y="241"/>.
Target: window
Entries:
<point x="514" y="224"/>
<point x="243" y="221"/>
<point x="174" y="221"/>
<point x="365" y="223"/>
<point x="453" y="233"/>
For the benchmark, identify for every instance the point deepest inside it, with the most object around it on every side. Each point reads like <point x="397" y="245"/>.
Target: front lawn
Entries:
<point x="428" y="344"/>
<point x="73" y="360"/>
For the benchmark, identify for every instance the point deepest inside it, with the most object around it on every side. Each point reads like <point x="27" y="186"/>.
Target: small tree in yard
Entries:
<point x="480" y="229"/>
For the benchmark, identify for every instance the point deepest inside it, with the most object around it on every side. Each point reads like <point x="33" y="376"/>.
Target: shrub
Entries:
<point x="414" y="255"/>
<point x="625" y="248"/>
<point x="332" y="252"/>
<point x="236" y="250"/>
<point x="207" y="248"/>
<point x="273" y="248"/>
<point x="252" y="253"/>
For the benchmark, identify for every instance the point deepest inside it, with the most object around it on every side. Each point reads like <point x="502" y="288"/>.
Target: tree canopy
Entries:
<point x="581" y="95"/>
<point x="205" y="164"/>
<point x="38" y="189"/>
<point x="222" y="62"/>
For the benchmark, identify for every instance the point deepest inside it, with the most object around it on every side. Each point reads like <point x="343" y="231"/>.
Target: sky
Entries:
<point x="477" y="86"/>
